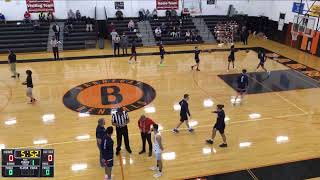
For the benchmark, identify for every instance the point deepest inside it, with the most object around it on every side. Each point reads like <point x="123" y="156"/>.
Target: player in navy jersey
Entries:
<point x="196" y="58"/>
<point x="162" y="52"/>
<point x="242" y="85"/>
<point x="184" y="114"/>
<point x="262" y="59"/>
<point x="219" y="126"/>
<point x="231" y="57"/>
<point x="133" y="51"/>
<point x="29" y="85"/>
<point x="107" y="152"/>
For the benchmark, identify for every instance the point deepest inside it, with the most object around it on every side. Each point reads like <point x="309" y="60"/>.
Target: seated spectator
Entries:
<point x="56" y="30"/>
<point x="174" y="14"/>
<point x="119" y="15"/>
<point x="89" y="23"/>
<point x="66" y="31"/>
<point x="147" y="15"/>
<point x="78" y="15"/>
<point x="27" y="17"/>
<point x="163" y="28"/>
<point x="168" y="15"/>
<point x="142" y="14"/>
<point x="50" y="17"/>
<point x="173" y="32"/>
<point x="185" y="14"/>
<point x="157" y="31"/>
<point x="71" y="15"/>
<point x="131" y="25"/>
<point x="111" y="28"/>
<point x="155" y="14"/>
<point x="195" y="36"/>
<point x="178" y="32"/>
<point x="2" y="19"/>
<point x="42" y="17"/>
<point x="69" y="25"/>
<point x="36" y="25"/>
<point x="187" y="36"/>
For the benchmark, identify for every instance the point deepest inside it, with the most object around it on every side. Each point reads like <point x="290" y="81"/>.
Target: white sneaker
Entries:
<point x="154" y="168"/>
<point x="129" y="62"/>
<point x="157" y="175"/>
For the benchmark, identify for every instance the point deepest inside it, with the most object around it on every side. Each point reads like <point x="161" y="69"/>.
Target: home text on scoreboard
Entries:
<point x="27" y="162"/>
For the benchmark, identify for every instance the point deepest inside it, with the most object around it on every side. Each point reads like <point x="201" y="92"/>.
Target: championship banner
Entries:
<point x="167" y="4"/>
<point x="35" y="6"/>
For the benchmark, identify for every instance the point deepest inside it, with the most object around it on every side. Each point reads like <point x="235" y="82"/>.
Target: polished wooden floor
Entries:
<point x="294" y="114"/>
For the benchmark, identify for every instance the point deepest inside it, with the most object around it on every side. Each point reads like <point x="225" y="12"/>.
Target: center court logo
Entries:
<point x="101" y="96"/>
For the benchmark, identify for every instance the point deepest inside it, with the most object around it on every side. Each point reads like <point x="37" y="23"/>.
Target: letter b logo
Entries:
<point x="110" y="95"/>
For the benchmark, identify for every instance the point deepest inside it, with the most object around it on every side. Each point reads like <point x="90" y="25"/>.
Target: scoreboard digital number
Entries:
<point x="27" y="162"/>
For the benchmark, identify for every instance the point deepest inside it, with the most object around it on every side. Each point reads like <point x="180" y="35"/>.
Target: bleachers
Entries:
<point x="79" y="38"/>
<point x="166" y="38"/>
<point x="22" y="37"/>
<point x="212" y="21"/>
<point x="122" y="27"/>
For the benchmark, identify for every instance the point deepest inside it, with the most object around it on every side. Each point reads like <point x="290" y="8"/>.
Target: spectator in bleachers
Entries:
<point x="131" y="25"/>
<point x="78" y="15"/>
<point x="163" y="28"/>
<point x="56" y="30"/>
<point x="178" y="32"/>
<point x="147" y="15"/>
<point x="155" y="14"/>
<point x="27" y="17"/>
<point x="124" y="43"/>
<point x="111" y="27"/>
<point x="55" y="47"/>
<point x="188" y="36"/>
<point x="142" y="14"/>
<point x="174" y="14"/>
<point x="69" y="25"/>
<point x="185" y="14"/>
<point x="168" y="15"/>
<point x="157" y="31"/>
<point x="119" y="15"/>
<point x="2" y="19"/>
<point x="50" y="17"/>
<point x="244" y="35"/>
<point x="173" y="32"/>
<point x="36" y="25"/>
<point x="42" y="17"/>
<point x="116" y="44"/>
<point x="89" y="23"/>
<point x="71" y="15"/>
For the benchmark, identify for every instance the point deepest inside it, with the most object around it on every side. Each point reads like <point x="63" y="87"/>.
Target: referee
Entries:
<point x="120" y="119"/>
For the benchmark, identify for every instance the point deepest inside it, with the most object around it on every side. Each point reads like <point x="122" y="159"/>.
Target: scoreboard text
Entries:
<point x="27" y="162"/>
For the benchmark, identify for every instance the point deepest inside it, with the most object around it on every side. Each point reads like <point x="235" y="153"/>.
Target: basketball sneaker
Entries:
<point x="209" y="141"/>
<point x="175" y="130"/>
<point x="154" y="168"/>
<point x="157" y="175"/>
<point x="190" y="130"/>
<point x="223" y="145"/>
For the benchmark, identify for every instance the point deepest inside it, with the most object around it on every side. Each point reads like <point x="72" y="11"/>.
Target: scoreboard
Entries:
<point x="27" y="162"/>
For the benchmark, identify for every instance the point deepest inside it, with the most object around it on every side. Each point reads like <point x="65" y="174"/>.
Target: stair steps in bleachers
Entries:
<point x="203" y="29"/>
<point x="146" y="33"/>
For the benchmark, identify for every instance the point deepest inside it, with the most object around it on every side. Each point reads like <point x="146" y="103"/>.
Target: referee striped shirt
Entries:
<point x="120" y="119"/>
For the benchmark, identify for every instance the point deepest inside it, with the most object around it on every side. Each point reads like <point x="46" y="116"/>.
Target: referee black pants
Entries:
<point x="122" y="131"/>
<point x="55" y="53"/>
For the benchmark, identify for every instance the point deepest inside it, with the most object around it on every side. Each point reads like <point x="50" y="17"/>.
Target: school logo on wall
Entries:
<point x="102" y="96"/>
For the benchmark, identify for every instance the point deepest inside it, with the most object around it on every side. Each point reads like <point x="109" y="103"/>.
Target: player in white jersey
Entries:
<point x="158" y="148"/>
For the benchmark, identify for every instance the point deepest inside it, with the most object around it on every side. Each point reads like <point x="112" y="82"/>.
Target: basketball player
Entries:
<point x="243" y="83"/>
<point x="231" y="57"/>
<point x="158" y="148"/>
<point x="107" y="152"/>
<point x="184" y="113"/>
<point x="262" y="57"/>
<point x="196" y="58"/>
<point x="133" y="51"/>
<point x="219" y="126"/>
<point x="162" y="52"/>
<point x="29" y="84"/>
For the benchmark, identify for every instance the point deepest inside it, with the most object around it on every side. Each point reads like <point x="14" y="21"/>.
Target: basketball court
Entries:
<point x="278" y="121"/>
